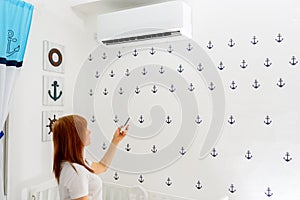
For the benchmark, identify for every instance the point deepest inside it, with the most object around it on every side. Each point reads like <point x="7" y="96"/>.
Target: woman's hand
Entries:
<point x="119" y="135"/>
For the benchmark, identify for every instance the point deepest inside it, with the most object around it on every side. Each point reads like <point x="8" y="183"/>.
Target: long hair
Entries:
<point x="68" y="147"/>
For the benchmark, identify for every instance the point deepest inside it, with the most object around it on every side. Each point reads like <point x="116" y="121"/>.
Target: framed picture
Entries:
<point x="53" y="57"/>
<point x="53" y="93"/>
<point x="49" y="117"/>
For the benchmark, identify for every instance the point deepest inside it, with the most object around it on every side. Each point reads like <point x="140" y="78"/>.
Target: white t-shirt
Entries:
<point x="73" y="185"/>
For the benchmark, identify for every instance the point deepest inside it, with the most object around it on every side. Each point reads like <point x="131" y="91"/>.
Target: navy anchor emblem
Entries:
<point x="55" y="86"/>
<point x="11" y="39"/>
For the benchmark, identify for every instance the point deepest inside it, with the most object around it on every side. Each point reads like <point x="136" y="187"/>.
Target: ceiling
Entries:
<point x="104" y="6"/>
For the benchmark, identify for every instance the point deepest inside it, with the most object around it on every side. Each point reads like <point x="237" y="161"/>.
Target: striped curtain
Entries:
<point x="15" y="21"/>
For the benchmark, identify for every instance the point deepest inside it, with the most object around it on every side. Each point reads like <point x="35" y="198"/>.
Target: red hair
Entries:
<point x="68" y="146"/>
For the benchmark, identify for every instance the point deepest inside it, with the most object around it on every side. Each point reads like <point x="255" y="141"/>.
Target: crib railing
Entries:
<point x="48" y="190"/>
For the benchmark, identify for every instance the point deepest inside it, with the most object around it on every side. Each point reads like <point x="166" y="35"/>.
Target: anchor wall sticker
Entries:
<point x="168" y="182"/>
<point x="280" y="83"/>
<point x="211" y="86"/>
<point x="172" y="88"/>
<point x="135" y="53"/>
<point x="104" y="56"/>
<point x="255" y="84"/>
<point x="170" y="50"/>
<point x="287" y="157"/>
<point x="127" y="148"/>
<point x="104" y="147"/>
<point x="267" y="120"/>
<point x="90" y="58"/>
<point x="210" y="45"/>
<point x="141" y="179"/>
<point x="127" y="73"/>
<point x="231" y="120"/>
<point x="93" y="119"/>
<point x="198" y="120"/>
<point x="116" y="119"/>
<point x="119" y="55"/>
<point x="189" y="48"/>
<point x="221" y="66"/>
<point x="161" y="70"/>
<point x="269" y="193"/>
<point x="182" y="151"/>
<point x="10" y="39"/>
<point x="153" y="149"/>
<point x="214" y="152"/>
<point x="243" y="65"/>
<point x="168" y="120"/>
<point x="116" y="176"/>
<point x="105" y="92"/>
<point x="141" y="119"/>
<point x="267" y="63"/>
<point x="97" y="75"/>
<point x="254" y="41"/>
<point x="180" y="69"/>
<point x="248" y="155"/>
<point x="198" y="185"/>
<point x="233" y="86"/>
<point x="231" y="43"/>
<point x="232" y="189"/>
<point x="55" y="97"/>
<point x="279" y="38"/>
<point x="137" y="90"/>
<point x="293" y="61"/>
<point x="152" y="51"/>
<point x="200" y="67"/>
<point x="144" y="72"/>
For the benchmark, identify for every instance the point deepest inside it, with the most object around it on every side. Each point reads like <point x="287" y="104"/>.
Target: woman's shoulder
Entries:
<point x="72" y="168"/>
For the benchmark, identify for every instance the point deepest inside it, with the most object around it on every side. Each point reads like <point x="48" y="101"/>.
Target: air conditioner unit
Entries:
<point x="156" y="21"/>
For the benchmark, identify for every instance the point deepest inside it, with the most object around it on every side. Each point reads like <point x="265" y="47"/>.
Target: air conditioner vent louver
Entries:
<point x="142" y="37"/>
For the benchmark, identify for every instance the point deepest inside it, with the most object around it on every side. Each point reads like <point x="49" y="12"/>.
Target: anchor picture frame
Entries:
<point x="53" y="90"/>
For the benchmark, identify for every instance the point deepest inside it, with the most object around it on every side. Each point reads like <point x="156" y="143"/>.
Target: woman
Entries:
<point x="76" y="177"/>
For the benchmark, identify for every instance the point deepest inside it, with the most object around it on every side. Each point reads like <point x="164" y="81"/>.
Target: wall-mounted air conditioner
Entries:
<point x="156" y="21"/>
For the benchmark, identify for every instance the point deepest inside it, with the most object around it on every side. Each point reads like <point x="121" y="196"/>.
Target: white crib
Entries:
<point x="48" y="191"/>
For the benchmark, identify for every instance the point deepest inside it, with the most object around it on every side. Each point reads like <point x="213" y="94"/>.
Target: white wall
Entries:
<point x="30" y="159"/>
<point x="216" y="21"/>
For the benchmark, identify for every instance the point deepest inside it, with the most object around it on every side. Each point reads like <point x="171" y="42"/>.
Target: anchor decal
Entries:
<point x="97" y="75"/>
<point x="104" y="146"/>
<point x="11" y="39"/>
<point x="279" y="38"/>
<point x="233" y="86"/>
<point x="243" y="65"/>
<point x="172" y="89"/>
<point x="211" y="86"/>
<point x="294" y="61"/>
<point x="189" y="48"/>
<point x="267" y="121"/>
<point x="232" y="189"/>
<point x="116" y="177"/>
<point x="141" y="179"/>
<point x="161" y="70"/>
<point x="168" y="120"/>
<point x="137" y="90"/>
<point x="170" y="50"/>
<point x="105" y="92"/>
<point x="287" y="157"/>
<point x="221" y="66"/>
<point x="268" y="193"/>
<point x="154" y="149"/>
<point x="141" y="119"/>
<point x="112" y="74"/>
<point x="254" y="41"/>
<point x="198" y="185"/>
<point x="248" y="155"/>
<point x="116" y="119"/>
<point x="180" y="69"/>
<point x="127" y="72"/>
<point x="210" y="45"/>
<point x="104" y="56"/>
<point x="200" y="67"/>
<point x="55" y="86"/>
<point x="191" y="88"/>
<point x="267" y="63"/>
<point x="50" y="125"/>
<point x="119" y="55"/>
<point x="135" y="53"/>
<point x="93" y="119"/>
<point x="198" y="120"/>
<point x="182" y="151"/>
<point x="154" y="89"/>
<point x="214" y="152"/>
<point x="168" y="182"/>
<point x="90" y="58"/>
<point x="152" y="52"/>
<point x="91" y="92"/>
<point x="231" y="120"/>
<point x="231" y="43"/>
<point x="256" y="84"/>
<point x="144" y="72"/>
<point x="127" y="148"/>
<point x="121" y="91"/>
<point x="280" y="83"/>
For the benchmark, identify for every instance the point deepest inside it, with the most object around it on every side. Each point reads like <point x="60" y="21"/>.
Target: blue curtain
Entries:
<point x="15" y="21"/>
